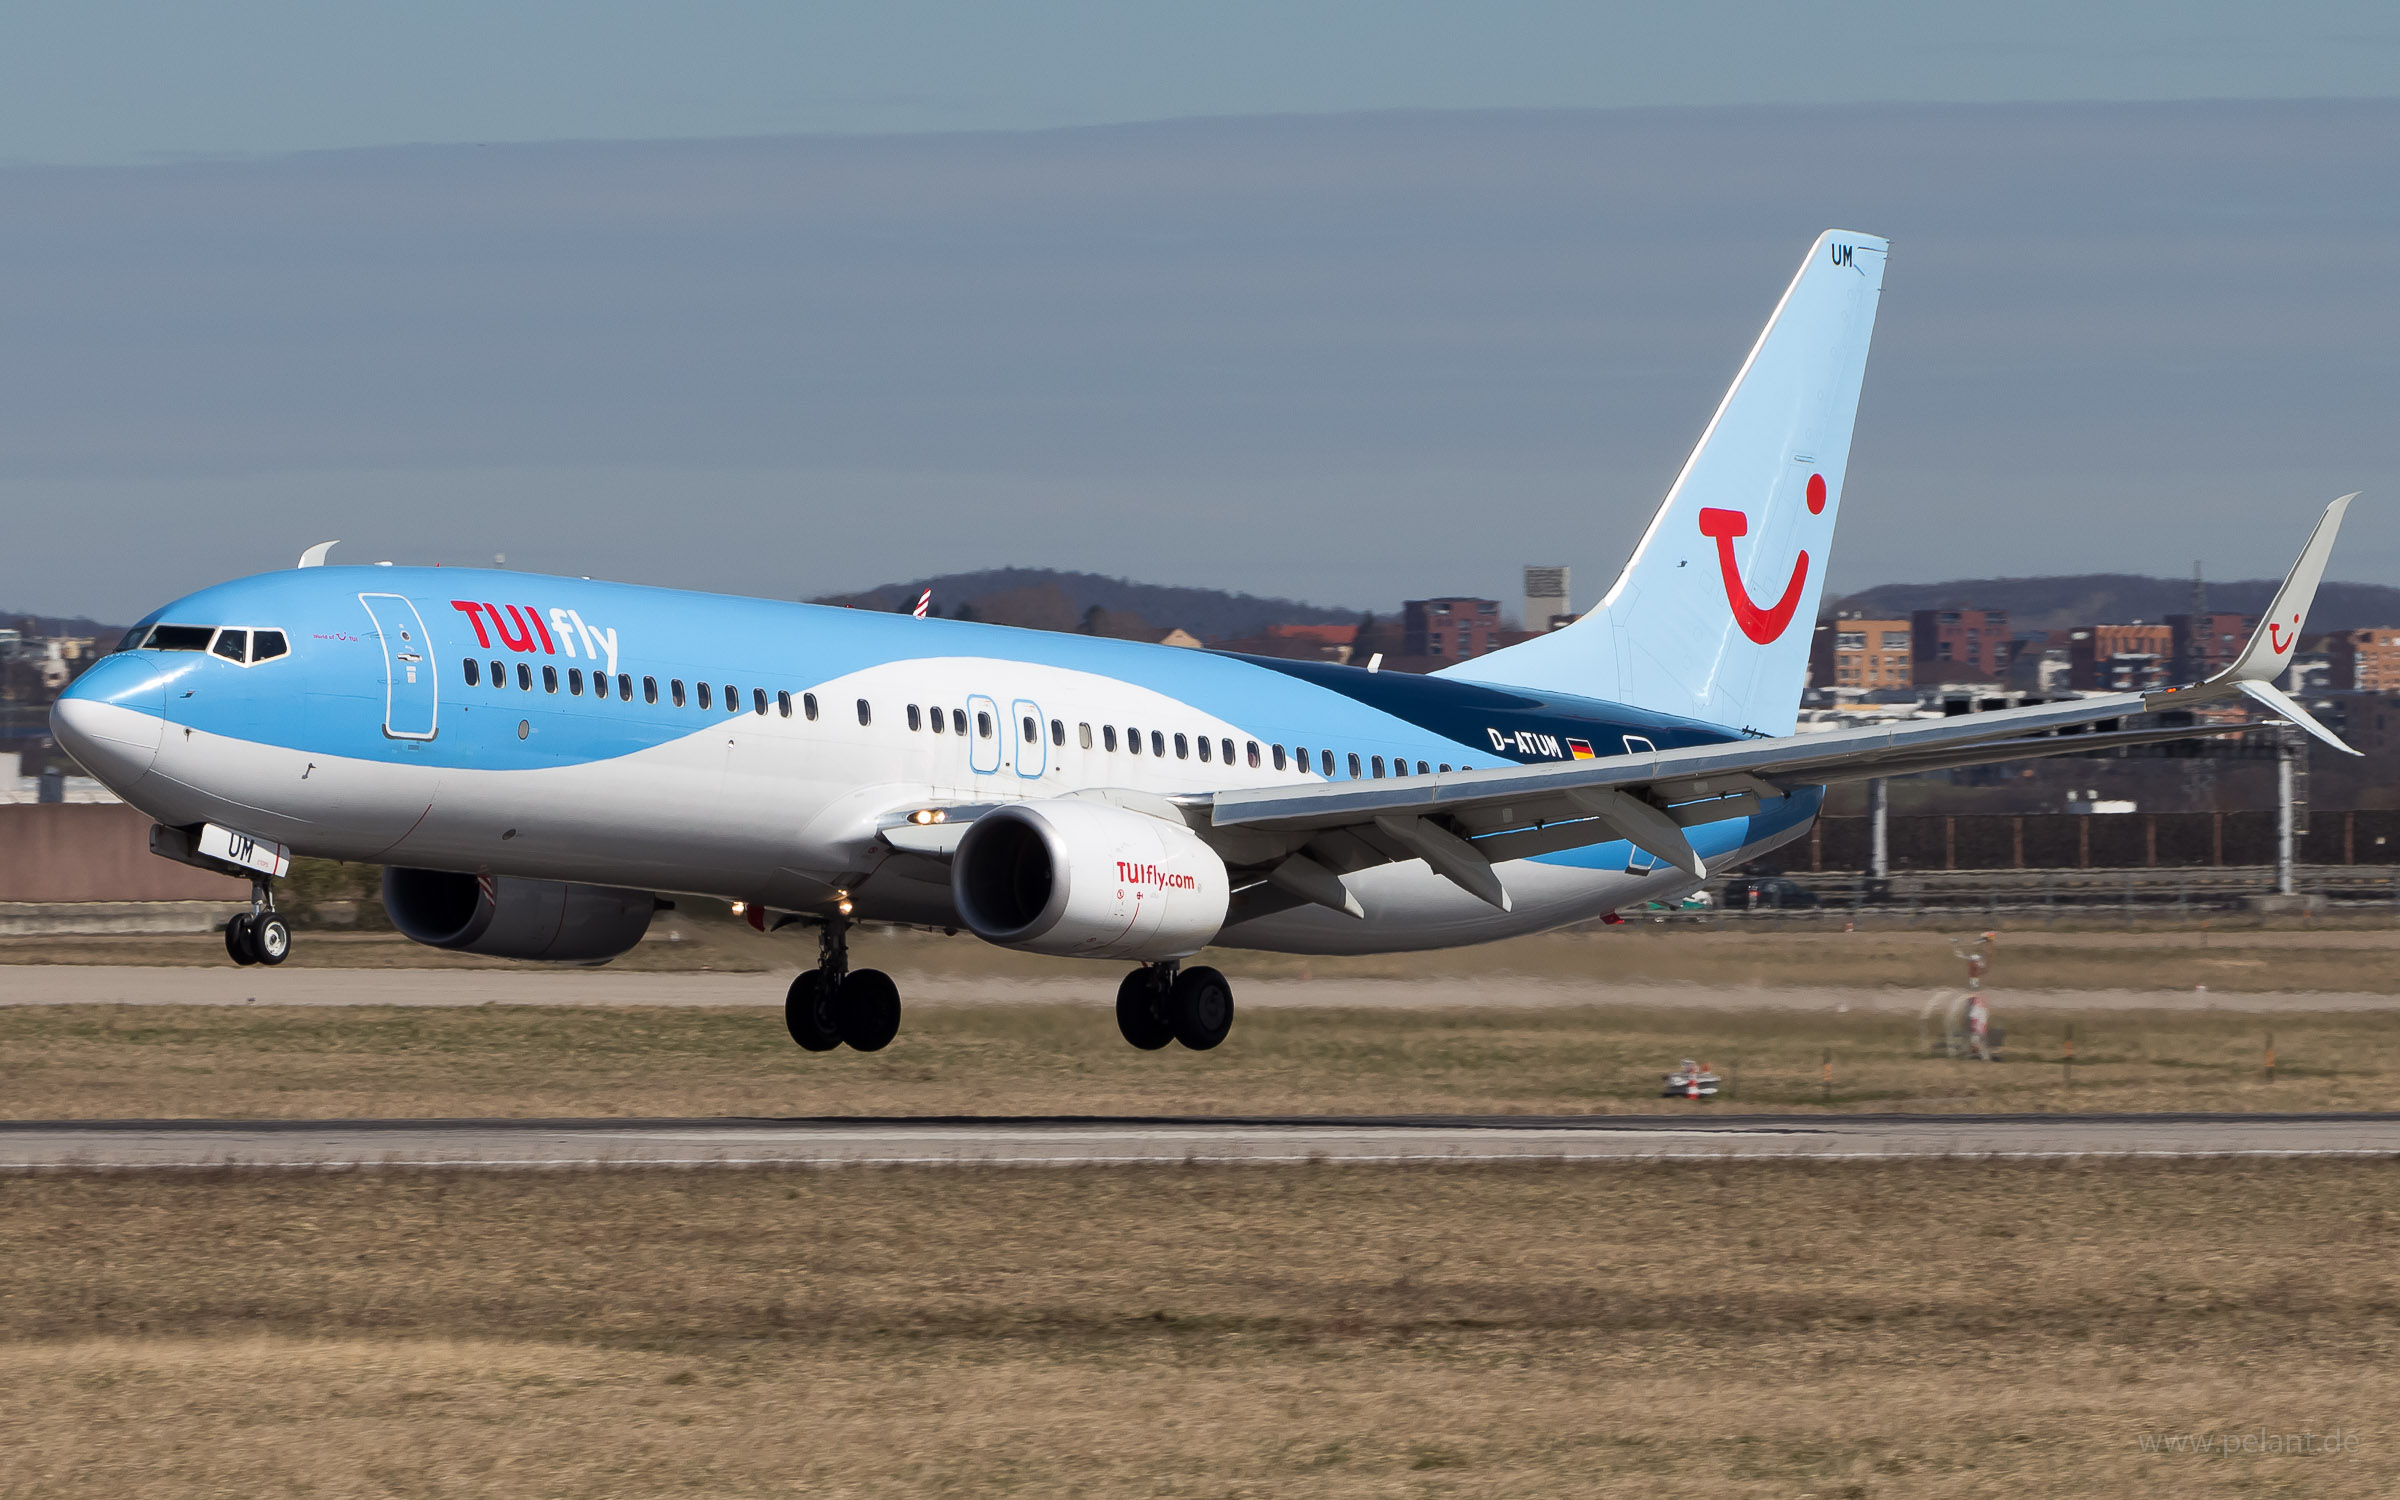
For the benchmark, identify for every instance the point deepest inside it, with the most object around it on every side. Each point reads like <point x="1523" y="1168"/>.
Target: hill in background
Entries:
<point x="1048" y="599"/>
<point x="2118" y="598"/>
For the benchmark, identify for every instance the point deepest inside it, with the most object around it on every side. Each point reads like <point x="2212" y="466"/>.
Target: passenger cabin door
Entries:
<point x="411" y="693"/>
<point x="1033" y="751"/>
<point x="984" y="728"/>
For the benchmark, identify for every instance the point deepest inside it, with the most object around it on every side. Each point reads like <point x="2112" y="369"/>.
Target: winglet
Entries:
<point x="2277" y="701"/>
<point x="314" y="557"/>
<point x="2270" y="650"/>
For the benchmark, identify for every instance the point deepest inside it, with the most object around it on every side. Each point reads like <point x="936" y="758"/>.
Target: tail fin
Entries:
<point x="1712" y="618"/>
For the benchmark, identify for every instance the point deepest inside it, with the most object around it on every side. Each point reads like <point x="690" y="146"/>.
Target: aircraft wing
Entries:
<point x="1304" y="838"/>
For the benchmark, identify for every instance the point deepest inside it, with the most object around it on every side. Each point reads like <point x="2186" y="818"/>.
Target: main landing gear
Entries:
<point x="831" y="1004"/>
<point x="258" y="936"/>
<point x="1166" y="1002"/>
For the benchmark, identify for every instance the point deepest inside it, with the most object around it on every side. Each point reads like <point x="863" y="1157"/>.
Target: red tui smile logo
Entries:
<point x="2275" y="638"/>
<point x="1764" y="624"/>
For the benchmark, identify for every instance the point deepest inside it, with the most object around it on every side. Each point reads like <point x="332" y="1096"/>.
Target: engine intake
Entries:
<point x="503" y="916"/>
<point x="1088" y="880"/>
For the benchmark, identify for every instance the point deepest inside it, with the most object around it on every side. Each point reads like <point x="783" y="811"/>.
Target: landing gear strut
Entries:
<point x="259" y="935"/>
<point x="831" y="1004"/>
<point x="1166" y="1002"/>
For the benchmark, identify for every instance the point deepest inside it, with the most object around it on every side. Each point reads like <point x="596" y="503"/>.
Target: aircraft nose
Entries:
<point x="112" y="718"/>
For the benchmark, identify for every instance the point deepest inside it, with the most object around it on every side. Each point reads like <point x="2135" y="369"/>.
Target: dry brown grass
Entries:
<point x="2235" y="956"/>
<point x="149" y="1061"/>
<point x="1741" y="1329"/>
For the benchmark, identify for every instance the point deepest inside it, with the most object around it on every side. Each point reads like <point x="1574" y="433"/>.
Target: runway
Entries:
<point x="116" y="984"/>
<point x="55" y="1145"/>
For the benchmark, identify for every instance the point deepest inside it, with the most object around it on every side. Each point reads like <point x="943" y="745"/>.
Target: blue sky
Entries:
<point x="760" y="304"/>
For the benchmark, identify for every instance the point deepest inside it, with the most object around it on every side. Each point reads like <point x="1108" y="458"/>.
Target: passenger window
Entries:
<point x="1226" y="746"/>
<point x="179" y="638"/>
<point x="599" y="684"/>
<point x="1083" y="735"/>
<point x="983" y="725"/>
<point x="937" y="716"/>
<point x="1158" y="743"/>
<point x="916" y="717"/>
<point x="266" y="645"/>
<point x="625" y="686"/>
<point x="649" y="690"/>
<point x="958" y="722"/>
<point x="1327" y="757"/>
<point x="575" y="681"/>
<point x="1203" y="747"/>
<point x="1279" y="761"/>
<point x="1377" y="763"/>
<point x="1027" y="726"/>
<point x="1058" y="732"/>
<point x="1422" y="771"/>
<point x="1445" y="768"/>
<point x="758" y="702"/>
<point x="866" y="715"/>
<point x="1108" y="736"/>
<point x="783" y="704"/>
<point x="733" y="699"/>
<point x="474" y="672"/>
<point x="1300" y="754"/>
<point x="705" y="700"/>
<point x="1133" y="740"/>
<point x="1354" y="768"/>
<point x="549" y="679"/>
<point x="675" y="690"/>
<point x="499" y="674"/>
<point x="524" y="678"/>
<point x="808" y="706"/>
<point x="233" y="645"/>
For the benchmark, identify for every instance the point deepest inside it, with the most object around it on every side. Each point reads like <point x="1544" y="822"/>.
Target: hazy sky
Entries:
<point x="1348" y="357"/>
<point x="105" y="81"/>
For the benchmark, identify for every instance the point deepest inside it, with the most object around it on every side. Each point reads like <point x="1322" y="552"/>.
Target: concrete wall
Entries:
<point x="95" y="852"/>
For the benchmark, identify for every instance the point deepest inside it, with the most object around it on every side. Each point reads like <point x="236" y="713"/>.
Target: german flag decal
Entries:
<point x="1581" y="750"/>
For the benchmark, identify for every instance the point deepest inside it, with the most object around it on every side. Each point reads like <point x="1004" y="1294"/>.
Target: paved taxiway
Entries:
<point x="127" y="984"/>
<point x="122" y="1144"/>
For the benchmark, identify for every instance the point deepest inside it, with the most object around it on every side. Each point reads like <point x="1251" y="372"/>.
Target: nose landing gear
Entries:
<point x="259" y="935"/>
<point x="1166" y="1002"/>
<point x="832" y="1005"/>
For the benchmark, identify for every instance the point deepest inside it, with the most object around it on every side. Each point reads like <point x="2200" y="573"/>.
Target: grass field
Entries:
<point x="1905" y="1329"/>
<point x="146" y="1061"/>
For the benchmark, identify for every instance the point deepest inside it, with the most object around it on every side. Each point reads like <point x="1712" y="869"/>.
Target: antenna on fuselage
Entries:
<point x="314" y="557"/>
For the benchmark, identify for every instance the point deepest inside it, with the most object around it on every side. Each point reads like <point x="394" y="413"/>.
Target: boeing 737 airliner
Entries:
<point x="533" y="760"/>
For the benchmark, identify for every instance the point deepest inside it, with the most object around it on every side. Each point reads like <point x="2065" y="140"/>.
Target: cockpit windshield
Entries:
<point x="233" y="643"/>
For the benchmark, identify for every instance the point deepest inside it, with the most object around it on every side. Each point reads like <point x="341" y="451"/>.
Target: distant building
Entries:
<point x="2362" y="661"/>
<point x="2120" y="658"/>
<point x="1958" y="645"/>
<point x="1298" y="642"/>
<point x="1546" y="604"/>
<point x="1448" y="629"/>
<point x="1852" y="655"/>
<point x="2205" y="643"/>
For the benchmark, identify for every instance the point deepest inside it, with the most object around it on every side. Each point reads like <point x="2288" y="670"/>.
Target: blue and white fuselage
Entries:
<point x="501" y="723"/>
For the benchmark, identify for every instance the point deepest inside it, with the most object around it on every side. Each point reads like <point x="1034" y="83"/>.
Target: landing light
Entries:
<point x="927" y="815"/>
<point x="740" y="907"/>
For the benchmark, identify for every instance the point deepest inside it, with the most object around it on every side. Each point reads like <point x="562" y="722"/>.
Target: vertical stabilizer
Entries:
<point x="1712" y="617"/>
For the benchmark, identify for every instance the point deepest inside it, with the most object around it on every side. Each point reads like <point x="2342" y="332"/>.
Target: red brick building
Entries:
<point x="1449" y="629"/>
<point x="2120" y="658"/>
<point x="2363" y="661"/>
<point x="1958" y="645"/>
<point x="2204" y="643"/>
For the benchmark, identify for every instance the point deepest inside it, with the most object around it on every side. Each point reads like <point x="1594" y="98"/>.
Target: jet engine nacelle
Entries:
<point x="502" y="916"/>
<point x="1088" y="880"/>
